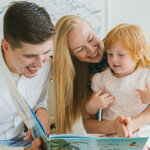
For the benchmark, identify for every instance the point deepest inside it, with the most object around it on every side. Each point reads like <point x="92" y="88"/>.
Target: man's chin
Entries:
<point x="30" y="75"/>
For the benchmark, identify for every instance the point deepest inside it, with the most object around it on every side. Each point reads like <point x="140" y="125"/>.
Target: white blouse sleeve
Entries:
<point x="96" y="82"/>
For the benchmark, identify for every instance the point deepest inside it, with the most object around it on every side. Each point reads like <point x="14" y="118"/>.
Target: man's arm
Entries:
<point x="44" y="118"/>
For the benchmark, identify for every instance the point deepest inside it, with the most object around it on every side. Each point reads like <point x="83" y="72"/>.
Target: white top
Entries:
<point x="34" y="90"/>
<point x="127" y="99"/>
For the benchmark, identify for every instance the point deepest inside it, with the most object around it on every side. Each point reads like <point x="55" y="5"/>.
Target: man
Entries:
<point x="25" y="50"/>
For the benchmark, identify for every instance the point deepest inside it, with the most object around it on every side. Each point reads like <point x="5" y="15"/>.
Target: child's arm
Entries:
<point x="97" y="101"/>
<point x="145" y="95"/>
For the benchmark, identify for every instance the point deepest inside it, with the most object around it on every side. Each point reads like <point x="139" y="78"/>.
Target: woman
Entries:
<point x="76" y="50"/>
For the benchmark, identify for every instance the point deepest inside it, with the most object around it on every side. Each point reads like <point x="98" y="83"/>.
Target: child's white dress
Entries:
<point x="127" y="99"/>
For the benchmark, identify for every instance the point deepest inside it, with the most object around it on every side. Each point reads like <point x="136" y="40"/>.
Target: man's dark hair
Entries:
<point x="27" y="22"/>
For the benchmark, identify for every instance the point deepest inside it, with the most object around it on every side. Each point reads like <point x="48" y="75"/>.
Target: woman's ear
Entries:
<point x="5" y="45"/>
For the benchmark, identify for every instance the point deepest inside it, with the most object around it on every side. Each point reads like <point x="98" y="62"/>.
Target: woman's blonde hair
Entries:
<point x="70" y="76"/>
<point x="133" y="39"/>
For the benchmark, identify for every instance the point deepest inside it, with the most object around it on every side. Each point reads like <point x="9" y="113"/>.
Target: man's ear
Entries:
<point x="5" y="45"/>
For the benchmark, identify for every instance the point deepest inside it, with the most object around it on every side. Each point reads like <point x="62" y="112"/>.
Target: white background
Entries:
<point x="127" y="11"/>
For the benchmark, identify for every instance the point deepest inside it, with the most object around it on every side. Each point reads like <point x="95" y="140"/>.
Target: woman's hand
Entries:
<point x="120" y="126"/>
<point x="98" y="100"/>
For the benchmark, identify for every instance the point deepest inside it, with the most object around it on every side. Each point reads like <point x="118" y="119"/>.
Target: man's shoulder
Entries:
<point x="2" y="77"/>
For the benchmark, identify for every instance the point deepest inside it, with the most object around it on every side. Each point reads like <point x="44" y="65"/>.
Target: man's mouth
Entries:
<point x="32" y="69"/>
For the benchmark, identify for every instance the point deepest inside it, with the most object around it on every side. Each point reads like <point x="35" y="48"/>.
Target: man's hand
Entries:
<point x="43" y="116"/>
<point x="36" y="145"/>
<point x="28" y="137"/>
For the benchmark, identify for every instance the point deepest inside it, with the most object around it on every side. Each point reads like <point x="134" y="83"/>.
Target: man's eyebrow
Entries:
<point x="37" y="54"/>
<point x="47" y="51"/>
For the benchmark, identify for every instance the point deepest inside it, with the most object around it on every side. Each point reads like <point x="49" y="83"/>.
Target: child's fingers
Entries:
<point x="109" y="100"/>
<point x="139" y="91"/>
<point x="147" y="87"/>
<point x="107" y="95"/>
<point x="99" y="92"/>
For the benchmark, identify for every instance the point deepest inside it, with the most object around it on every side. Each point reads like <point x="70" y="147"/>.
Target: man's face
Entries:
<point x="28" y="59"/>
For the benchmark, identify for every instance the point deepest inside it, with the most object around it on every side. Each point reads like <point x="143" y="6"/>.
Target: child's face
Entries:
<point x="120" y="60"/>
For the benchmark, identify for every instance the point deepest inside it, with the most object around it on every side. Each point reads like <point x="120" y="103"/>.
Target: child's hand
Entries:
<point x="120" y="126"/>
<point x="99" y="100"/>
<point x="145" y="95"/>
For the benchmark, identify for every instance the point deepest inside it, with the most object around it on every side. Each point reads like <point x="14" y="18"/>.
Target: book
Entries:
<point x="67" y="141"/>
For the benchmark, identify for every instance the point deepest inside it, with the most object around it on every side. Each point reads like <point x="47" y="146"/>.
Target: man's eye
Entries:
<point x="30" y="56"/>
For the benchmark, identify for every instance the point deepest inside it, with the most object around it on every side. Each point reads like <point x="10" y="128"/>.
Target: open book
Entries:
<point x="66" y="142"/>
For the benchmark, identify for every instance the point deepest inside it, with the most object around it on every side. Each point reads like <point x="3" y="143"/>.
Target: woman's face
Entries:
<point x="84" y="44"/>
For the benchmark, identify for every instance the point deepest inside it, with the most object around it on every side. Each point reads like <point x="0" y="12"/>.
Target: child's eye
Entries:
<point x="109" y="54"/>
<point x="121" y="54"/>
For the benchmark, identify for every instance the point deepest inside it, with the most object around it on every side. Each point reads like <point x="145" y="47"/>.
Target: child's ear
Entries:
<point x="140" y="54"/>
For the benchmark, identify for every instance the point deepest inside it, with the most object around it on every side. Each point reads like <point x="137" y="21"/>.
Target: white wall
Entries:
<point x="90" y="10"/>
<point x="128" y="11"/>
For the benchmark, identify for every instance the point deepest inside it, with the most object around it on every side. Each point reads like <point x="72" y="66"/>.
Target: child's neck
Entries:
<point x="125" y="74"/>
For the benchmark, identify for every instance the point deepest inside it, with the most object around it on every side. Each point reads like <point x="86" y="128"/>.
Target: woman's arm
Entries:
<point x="93" y="126"/>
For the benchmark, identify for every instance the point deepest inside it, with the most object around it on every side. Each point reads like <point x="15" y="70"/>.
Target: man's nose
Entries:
<point x="39" y="61"/>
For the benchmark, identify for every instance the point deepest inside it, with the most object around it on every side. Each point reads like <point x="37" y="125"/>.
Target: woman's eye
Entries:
<point x="91" y="39"/>
<point x="79" y="50"/>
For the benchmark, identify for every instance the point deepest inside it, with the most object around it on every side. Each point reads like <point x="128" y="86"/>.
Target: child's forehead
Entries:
<point x="118" y="45"/>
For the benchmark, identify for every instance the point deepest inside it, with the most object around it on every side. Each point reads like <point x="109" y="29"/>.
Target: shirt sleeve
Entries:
<point x="10" y="148"/>
<point x="96" y="82"/>
<point x="42" y="102"/>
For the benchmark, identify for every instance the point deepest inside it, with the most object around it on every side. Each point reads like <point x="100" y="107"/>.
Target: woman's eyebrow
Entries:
<point x="80" y="45"/>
